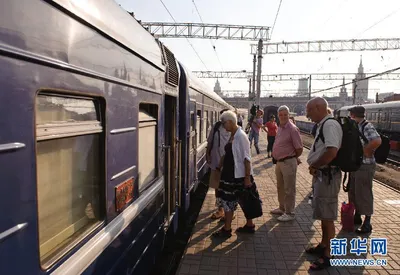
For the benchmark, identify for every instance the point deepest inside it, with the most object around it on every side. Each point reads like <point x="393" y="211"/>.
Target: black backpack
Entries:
<point x="350" y="155"/>
<point x="382" y="152"/>
<point x="216" y="129"/>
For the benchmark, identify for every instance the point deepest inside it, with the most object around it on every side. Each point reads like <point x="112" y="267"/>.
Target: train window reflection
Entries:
<point x="147" y="146"/>
<point x="53" y="109"/>
<point x="69" y="177"/>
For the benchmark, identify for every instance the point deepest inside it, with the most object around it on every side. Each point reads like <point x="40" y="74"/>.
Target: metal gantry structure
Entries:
<point x="270" y="92"/>
<point x="283" y="47"/>
<point x="206" y="31"/>
<point x="261" y="33"/>
<point x="291" y="77"/>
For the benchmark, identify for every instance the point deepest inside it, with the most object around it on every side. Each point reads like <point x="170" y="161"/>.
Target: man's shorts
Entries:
<point x="325" y="195"/>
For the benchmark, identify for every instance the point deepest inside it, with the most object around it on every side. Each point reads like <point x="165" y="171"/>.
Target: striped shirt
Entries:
<point x="370" y="134"/>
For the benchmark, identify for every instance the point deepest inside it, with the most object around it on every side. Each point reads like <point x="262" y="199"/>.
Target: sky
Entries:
<point x="298" y="20"/>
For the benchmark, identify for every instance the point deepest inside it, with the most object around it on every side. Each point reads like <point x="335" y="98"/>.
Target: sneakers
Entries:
<point x="365" y="229"/>
<point x="277" y="211"/>
<point x="286" y="217"/>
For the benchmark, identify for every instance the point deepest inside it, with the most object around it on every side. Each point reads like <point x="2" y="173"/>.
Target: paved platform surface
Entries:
<point x="278" y="247"/>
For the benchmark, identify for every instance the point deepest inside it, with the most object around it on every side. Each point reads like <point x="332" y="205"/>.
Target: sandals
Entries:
<point x="222" y="233"/>
<point x="318" y="250"/>
<point x="217" y="215"/>
<point x="318" y="265"/>
<point x="246" y="229"/>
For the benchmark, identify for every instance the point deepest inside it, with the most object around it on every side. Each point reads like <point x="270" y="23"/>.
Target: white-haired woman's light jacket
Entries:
<point x="241" y="151"/>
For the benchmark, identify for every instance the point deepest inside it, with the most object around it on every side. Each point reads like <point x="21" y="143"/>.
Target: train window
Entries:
<point x="147" y="160"/>
<point x="205" y="126"/>
<point x="384" y="116"/>
<point x="191" y="121"/>
<point x="69" y="172"/>
<point x="198" y="127"/>
<point x="215" y="118"/>
<point x="209" y="122"/>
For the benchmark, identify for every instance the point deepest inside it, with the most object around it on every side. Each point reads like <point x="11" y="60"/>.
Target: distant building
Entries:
<point x="343" y="93"/>
<point x="381" y="96"/>
<point x="303" y="87"/>
<point x="360" y="87"/>
<point x="217" y="88"/>
<point x="393" y="97"/>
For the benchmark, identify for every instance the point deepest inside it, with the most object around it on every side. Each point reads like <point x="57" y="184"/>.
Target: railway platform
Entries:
<point x="278" y="247"/>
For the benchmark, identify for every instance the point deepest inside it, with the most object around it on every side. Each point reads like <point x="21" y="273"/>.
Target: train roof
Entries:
<point x="391" y="104"/>
<point x="108" y="17"/>
<point x="201" y="87"/>
<point x="102" y="15"/>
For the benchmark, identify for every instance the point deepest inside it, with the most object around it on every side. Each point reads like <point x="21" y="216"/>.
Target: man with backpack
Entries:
<point x="326" y="176"/>
<point x="360" y="182"/>
<point x="216" y="141"/>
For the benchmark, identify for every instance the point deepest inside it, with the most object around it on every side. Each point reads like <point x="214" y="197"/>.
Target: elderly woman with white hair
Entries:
<point x="236" y="174"/>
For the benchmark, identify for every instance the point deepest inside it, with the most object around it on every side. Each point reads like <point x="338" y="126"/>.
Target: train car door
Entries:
<point x="170" y="152"/>
<point x="192" y="146"/>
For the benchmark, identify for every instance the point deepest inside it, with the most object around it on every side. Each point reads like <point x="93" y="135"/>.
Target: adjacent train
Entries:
<point x="103" y="139"/>
<point x="384" y="116"/>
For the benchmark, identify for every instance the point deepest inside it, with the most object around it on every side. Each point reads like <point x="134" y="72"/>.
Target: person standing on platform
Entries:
<point x="216" y="141"/>
<point x="313" y="133"/>
<point x="272" y="128"/>
<point x="326" y="178"/>
<point x="236" y="174"/>
<point x="287" y="149"/>
<point x="360" y="182"/>
<point x="256" y="126"/>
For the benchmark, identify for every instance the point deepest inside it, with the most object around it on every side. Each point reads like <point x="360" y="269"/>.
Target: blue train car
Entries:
<point x="199" y="110"/>
<point x="103" y="139"/>
<point x="384" y="116"/>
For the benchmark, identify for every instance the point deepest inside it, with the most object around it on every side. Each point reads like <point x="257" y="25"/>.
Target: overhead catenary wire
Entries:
<point x="186" y="37"/>
<point x="357" y="80"/>
<point x="378" y="22"/>
<point x="276" y="17"/>
<point x="213" y="46"/>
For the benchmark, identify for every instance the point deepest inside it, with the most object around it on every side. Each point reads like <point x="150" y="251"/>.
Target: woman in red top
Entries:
<point x="272" y="128"/>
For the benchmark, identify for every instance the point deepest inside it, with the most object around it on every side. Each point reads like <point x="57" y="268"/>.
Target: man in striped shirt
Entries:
<point x="360" y="182"/>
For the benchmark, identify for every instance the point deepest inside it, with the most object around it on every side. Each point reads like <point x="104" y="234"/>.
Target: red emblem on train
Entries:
<point x="123" y="194"/>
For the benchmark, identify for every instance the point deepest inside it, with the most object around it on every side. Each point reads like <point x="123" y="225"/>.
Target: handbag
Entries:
<point x="215" y="177"/>
<point x="250" y="202"/>
<point x="347" y="217"/>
